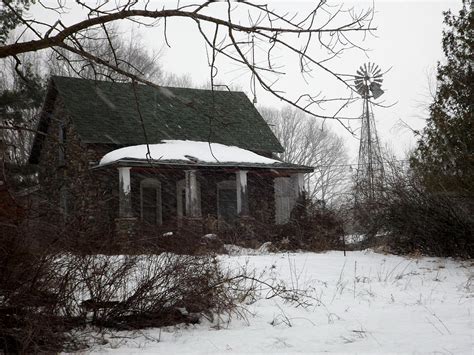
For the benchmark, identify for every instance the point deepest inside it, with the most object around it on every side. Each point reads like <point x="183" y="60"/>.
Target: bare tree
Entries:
<point x="309" y="142"/>
<point x="22" y="81"/>
<point x="109" y="44"/>
<point x="313" y="39"/>
<point x="112" y="45"/>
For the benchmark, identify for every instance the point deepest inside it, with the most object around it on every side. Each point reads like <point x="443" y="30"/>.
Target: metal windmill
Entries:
<point x="368" y="82"/>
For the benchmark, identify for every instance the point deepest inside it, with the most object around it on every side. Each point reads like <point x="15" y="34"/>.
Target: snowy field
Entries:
<point x="362" y="303"/>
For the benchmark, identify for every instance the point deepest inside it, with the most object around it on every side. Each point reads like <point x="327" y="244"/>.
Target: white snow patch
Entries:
<point x="235" y="250"/>
<point x="211" y="236"/>
<point x="363" y="303"/>
<point x="179" y="150"/>
<point x="354" y="238"/>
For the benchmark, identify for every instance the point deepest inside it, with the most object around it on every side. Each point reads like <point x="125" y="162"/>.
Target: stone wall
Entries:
<point x="77" y="201"/>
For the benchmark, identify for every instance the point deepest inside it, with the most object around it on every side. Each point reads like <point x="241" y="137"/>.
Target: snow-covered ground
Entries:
<point x="362" y="303"/>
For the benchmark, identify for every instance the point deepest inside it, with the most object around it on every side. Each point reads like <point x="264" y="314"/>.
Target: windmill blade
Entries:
<point x="368" y="80"/>
<point x="360" y="89"/>
<point x="361" y="82"/>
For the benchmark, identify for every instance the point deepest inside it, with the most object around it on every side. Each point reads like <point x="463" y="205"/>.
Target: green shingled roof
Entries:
<point x="106" y="112"/>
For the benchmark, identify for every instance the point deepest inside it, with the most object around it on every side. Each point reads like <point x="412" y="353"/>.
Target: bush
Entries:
<point x="311" y="227"/>
<point x="44" y="295"/>
<point x="416" y="220"/>
<point x="29" y="298"/>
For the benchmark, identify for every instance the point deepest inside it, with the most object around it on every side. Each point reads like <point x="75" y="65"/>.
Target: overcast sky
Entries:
<point x="408" y="40"/>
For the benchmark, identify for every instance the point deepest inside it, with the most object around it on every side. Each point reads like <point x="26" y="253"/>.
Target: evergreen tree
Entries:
<point x="21" y="88"/>
<point x="21" y="96"/>
<point x="25" y="93"/>
<point x="10" y="13"/>
<point x="444" y="157"/>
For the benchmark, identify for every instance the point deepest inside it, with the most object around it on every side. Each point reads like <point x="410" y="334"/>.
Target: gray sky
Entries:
<point x="408" y="40"/>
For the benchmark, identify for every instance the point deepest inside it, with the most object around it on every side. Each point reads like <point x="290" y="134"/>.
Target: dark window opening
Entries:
<point x="150" y="196"/>
<point x="228" y="205"/>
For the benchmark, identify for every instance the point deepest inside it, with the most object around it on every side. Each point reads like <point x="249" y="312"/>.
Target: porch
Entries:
<point x="201" y="186"/>
<point x="204" y="199"/>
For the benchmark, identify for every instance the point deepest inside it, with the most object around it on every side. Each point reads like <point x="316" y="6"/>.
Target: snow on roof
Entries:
<point x="187" y="151"/>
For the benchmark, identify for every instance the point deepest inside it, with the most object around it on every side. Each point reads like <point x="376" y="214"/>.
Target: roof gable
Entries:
<point x="107" y="112"/>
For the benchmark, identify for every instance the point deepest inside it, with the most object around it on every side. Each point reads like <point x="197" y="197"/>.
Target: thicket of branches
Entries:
<point x="409" y="218"/>
<point x="53" y="300"/>
<point x="313" y="39"/>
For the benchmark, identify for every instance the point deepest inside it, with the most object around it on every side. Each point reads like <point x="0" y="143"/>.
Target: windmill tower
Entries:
<point x="368" y="82"/>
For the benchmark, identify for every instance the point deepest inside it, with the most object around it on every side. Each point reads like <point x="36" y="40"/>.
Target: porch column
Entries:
<point x="298" y="180"/>
<point x="298" y="189"/>
<point x="192" y="199"/>
<point x="242" y="195"/>
<point x="125" y="195"/>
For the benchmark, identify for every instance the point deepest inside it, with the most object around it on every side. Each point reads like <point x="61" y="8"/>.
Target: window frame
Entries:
<point x="156" y="184"/>
<point x="283" y="199"/>
<point x="225" y="185"/>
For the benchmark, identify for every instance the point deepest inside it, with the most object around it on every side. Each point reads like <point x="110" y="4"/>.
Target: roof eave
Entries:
<point x="185" y="164"/>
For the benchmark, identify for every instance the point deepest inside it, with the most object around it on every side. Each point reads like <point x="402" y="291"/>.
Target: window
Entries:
<point x="150" y="201"/>
<point x="283" y="200"/>
<point x="227" y="202"/>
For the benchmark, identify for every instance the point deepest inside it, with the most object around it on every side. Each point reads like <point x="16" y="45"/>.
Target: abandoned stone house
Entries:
<point x="122" y="156"/>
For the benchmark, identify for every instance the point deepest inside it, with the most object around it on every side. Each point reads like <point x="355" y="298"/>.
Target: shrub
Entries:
<point x="44" y="295"/>
<point x="311" y="227"/>
<point x="416" y="220"/>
